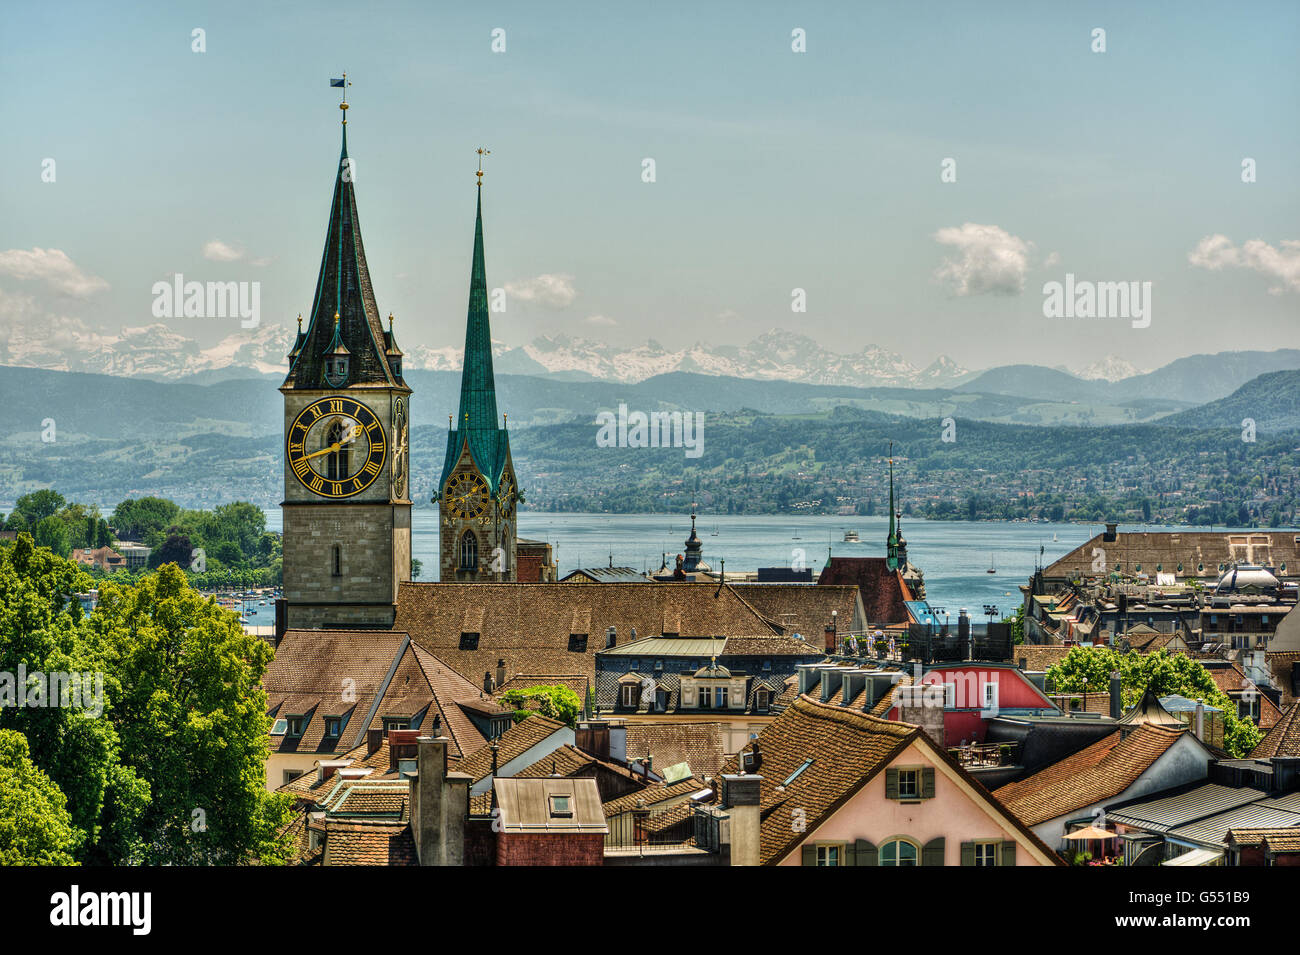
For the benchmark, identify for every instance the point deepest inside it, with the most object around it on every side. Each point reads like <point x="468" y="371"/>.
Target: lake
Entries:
<point x="955" y="555"/>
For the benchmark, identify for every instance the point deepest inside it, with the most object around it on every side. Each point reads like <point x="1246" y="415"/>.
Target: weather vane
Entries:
<point x="343" y="84"/>
<point x="482" y="151"/>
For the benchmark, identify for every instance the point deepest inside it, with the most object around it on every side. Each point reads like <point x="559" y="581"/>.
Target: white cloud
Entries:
<point x="599" y="320"/>
<point x="218" y="251"/>
<point x="989" y="260"/>
<point x="552" y="290"/>
<point x="1217" y="252"/>
<point x="53" y="267"/>
<point x="1053" y="258"/>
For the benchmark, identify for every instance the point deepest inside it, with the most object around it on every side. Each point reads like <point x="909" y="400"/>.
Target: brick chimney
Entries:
<point x="1116" y="704"/>
<point x="374" y="740"/>
<point x="501" y="673"/>
<point x="401" y="745"/>
<point x="592" y="736"/>
<point x="487" y="681"/>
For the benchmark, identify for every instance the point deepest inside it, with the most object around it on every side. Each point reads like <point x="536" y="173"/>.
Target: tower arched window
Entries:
<point x="336" y="462"/>
<point x="468" y="551"/>
<point x="336" y="560"/>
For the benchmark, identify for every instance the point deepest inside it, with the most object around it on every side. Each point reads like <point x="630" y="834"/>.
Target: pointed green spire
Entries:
<point x="891" y="542"/>
<point x="477" y="423"/>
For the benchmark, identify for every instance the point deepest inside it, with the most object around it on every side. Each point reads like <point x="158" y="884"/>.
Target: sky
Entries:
<point x="774" y="170"/>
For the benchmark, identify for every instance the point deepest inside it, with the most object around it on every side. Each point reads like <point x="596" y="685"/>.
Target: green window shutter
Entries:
<point x="1008" y="853"/>
<point x="891" y="784"/>
<point x="850" y="855"/>
<point x="932" y="853"/>
<point x="866" y="853"/>
<point x="968" y="853"/>
<point x="810" y="855"/>
<point x="927" y="783"/>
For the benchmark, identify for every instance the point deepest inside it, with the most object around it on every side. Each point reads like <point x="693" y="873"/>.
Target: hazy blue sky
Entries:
<point x="775" y="169"/>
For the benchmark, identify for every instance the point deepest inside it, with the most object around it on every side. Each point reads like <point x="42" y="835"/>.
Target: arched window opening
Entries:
<point x="336" y="462"/>
<point x="336" y="558"/>
<point x="469" y="551"/>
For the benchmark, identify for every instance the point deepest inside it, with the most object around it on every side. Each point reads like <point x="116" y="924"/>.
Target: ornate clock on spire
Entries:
<point x="477" y="493"/>
<point x="347" y="515"/>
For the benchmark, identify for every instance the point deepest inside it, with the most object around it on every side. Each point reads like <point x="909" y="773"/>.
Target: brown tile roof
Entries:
<point x="654" y="795"/>
<point x="1251" y="836"/>
<point x="804" y="608"/>
<point x="355" y="842"/>
<point x="1169" y="549"/>
<point x="309" y="676"/>
<point x="308" y="787"/>
<point x="1038" y="658"/>
<point x="784" y="646"/>
<point x="1281" y="664"/>
<point x="1283" y="738"/>
<point x="1100" y="771"/>
<point x="847" y="748"/>
<point x="883" y="590"/>
<point x="530" y="625"/>
<point x="699" y="744"/>
<point x="1283" y="841"/>
<point x="511" y="744"/>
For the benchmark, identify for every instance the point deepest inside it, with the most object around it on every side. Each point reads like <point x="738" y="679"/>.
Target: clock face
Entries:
<point x="336" y="447"/>
<point x="507" y="493"/>
<point x="467" y="497"/>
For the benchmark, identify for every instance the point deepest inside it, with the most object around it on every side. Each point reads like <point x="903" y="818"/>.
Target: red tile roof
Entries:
<point x="883" y="590"/>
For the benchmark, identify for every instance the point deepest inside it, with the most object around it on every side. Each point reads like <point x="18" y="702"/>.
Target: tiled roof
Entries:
<point x="511" y="744"/>
<point x="884" y="593"/>
<point x="654" y="795"/>
<point x="1101" y="771"/>
<point x="322" y="673"/>
<point x="1282" y="664"/>
<point x="1167" y="550"/>
<point x="1283" y="739"/>
<point x="1283" y="841"/>
<point x="839" y="750"/>
<point x="1038" y="658"/>
<point x="307" y="785"/>
<point x="699" y="744"/>
<point x="805" y="609"/>
<point x="765" y="646"/>
<point x="537" y="628"/>
<point x="355" y="842"/>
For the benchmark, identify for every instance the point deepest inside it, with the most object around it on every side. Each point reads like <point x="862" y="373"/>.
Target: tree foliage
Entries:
<point x="35" y="828"/>
<point x="1161" y="672"/>
<point x="555" y="701"/>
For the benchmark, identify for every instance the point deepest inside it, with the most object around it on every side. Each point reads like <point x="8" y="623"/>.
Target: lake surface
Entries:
<point x="955" y="555"/>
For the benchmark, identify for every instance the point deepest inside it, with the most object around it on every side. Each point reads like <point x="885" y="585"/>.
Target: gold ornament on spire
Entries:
<point x="482" y="151"/>
<point x="344" y="105"/>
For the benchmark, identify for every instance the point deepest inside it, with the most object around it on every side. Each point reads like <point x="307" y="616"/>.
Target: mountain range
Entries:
<point x="160" y="353"/>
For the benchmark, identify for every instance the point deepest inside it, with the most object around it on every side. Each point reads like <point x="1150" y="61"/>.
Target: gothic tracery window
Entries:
<point x="468" y="551"/>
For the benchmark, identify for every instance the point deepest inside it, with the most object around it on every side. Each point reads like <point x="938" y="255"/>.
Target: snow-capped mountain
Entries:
<point x="157" y="351"/>
<point x="1110" y="368"/>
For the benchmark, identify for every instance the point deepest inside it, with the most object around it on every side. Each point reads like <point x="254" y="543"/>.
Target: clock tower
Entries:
<point x="478" y="492"/>
<point x="347" y="510"/>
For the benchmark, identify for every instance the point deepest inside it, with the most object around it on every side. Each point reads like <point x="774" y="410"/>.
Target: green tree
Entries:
<point x="555" y="701"/>
<point x="52" y="533"/>
<point x="35" y="828"/>
<point x="38" y="505"/>
<point x="136" y="519"/>
<point x="191" y="714"/>
<point x="1163" y="673"/>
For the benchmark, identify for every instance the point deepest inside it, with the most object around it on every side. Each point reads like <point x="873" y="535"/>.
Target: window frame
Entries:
<point x="898" y="863"/>
<point x="830" y="854"/>
<point x="914" y="774"/>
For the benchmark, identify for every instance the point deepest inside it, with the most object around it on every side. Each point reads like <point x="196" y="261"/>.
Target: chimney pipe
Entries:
<point x="740" y="796"/>
<point x="501" y="672"/>
<point x="1116" y="706"/>
<point x="374" y="740"/>
<point x="1200" y="720"/>
<point x="611" y="637"/>
<point x="487" y="681"/>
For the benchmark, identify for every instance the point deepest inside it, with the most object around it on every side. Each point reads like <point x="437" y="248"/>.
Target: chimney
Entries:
<point x="740" y="795"/>
<point x="374" y="740"/>
<point x="501" y="672"/>
<point x="1110" y="534"/>
<point x="439" y="805"/>
<point x="1200" y="720"/>
<point x="401" y="745"/>
<point x="1116" y="704"/>
<point x="487" y="681"/>
<point x="611" y="637"/>
<point x="830" y="638"/>
<point x="592" y="736"/>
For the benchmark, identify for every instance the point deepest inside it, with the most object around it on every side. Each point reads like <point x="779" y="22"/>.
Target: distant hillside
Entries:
<point x="1190" y="381"/>
<point x="1272" y="401"/>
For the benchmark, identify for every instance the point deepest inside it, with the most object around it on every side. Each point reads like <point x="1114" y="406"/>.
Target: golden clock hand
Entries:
<point x="316" y="454"/>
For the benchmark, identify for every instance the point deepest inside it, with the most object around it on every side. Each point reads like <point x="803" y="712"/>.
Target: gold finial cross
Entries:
<point x="344" y="105"/>
<point x="482" y="151"/>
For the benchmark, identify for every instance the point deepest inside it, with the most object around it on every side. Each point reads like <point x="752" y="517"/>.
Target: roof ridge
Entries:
<point x="840" y="714"/>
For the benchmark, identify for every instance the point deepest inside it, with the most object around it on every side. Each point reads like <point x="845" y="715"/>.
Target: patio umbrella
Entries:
<point x="1092" y="832"/>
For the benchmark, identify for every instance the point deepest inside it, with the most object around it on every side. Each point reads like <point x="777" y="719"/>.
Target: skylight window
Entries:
<point x="795" y="775"/>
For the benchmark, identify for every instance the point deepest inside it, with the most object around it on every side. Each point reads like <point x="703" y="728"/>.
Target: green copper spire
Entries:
<point x="477" y="423"/>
